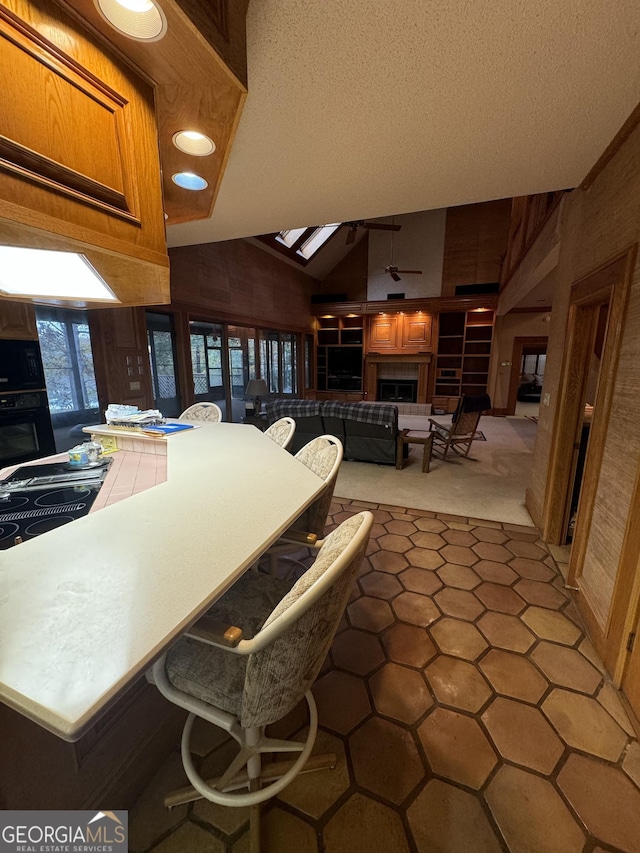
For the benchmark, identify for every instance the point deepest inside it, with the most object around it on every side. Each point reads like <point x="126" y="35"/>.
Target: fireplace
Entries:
<point x="408" y="370"/>
<point x="397" y="390"/>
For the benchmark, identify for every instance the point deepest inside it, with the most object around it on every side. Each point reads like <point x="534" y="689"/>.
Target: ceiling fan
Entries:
<point x="393" y="270"/>
<point x="362" y="223"/>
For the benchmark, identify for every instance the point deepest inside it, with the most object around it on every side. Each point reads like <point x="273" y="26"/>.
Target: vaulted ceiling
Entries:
<point x="360" y="110"/>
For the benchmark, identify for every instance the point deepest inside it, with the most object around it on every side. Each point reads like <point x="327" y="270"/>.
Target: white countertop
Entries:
<point x="85" y="608"/>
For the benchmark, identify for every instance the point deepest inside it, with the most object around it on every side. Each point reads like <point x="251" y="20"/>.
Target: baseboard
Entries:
<point x="533" y="509"/>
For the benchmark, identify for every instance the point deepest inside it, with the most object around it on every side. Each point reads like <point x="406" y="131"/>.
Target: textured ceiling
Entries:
<point x="369" y="108"/>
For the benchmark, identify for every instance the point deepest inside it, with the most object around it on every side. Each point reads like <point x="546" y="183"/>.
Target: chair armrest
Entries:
<point x="299" y="537"/>
<point x="215" y="632"/>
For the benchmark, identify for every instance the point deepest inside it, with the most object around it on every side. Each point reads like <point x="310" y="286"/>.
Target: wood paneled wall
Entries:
<point x="236" y="281"/>
<point x="120" y="357"/>
<point x="475" y="243"/>
<point x="350" y="275"/>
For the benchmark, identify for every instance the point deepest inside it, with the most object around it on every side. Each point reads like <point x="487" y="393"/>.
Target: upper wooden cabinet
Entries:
<point x="79" y="167"/>
<point x="198" y="69"/>
<point x="18" y="321"/>
<point x="407" y="332"/>
<point x="383" y="333"/>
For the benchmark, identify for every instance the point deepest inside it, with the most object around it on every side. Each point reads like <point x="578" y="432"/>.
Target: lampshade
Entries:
<point x="256" y="388"/>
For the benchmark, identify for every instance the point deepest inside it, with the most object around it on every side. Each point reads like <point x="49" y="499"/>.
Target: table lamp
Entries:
<point x="256" y="388"/>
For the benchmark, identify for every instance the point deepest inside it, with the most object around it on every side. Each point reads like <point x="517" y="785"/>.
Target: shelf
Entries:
<point x="328" y="337"/>
<point x="449" y="361"/>
<point x="464" y="348"/>
<point x="449" y="346"/>
<point x="352" y="336"/>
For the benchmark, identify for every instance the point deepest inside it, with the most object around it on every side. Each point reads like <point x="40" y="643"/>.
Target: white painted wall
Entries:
<point x="419" y="245"/>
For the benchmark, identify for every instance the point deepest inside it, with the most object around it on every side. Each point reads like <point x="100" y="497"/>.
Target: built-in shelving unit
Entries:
<point x="464" y="350"/>
<point x="339" y="353"/>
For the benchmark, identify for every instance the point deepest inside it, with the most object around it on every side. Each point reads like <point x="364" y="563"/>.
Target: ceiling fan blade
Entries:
<point x="411" y="272"/>
<point x="351" y="235"/>
<point x="379" y="226"/>
<point x="394" y="275"/>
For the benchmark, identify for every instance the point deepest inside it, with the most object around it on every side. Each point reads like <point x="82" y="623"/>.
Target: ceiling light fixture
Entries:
<point x="142" y="20"/>
<point x="189" y="181"/>
<point x="46" y="274"/>
<point x="192" y="142"/>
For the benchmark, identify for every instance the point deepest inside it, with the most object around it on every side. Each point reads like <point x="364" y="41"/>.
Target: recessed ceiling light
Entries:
<point x="142" y="20"/>
<point x="192" y="142"/>
<point x="189" y="181"/>
<point x="50" y="275"/>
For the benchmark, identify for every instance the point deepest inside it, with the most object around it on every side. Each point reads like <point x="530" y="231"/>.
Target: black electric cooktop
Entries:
<point x="38" y="498"/>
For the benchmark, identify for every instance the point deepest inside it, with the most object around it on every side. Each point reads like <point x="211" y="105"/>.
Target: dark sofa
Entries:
<point x="368" y="432"/>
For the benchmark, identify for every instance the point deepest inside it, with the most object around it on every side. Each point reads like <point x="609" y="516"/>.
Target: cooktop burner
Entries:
<point x="31" y="504"/>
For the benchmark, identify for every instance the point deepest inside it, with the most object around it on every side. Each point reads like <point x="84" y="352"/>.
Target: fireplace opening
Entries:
<point x="397" y="390"/>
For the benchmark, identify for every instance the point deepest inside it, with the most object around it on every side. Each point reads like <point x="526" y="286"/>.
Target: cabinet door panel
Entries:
<point x="416" y="332"/>
<point x="384" y="333"/>
<point x="17" y="321"/>
<point x="49" y="100"/>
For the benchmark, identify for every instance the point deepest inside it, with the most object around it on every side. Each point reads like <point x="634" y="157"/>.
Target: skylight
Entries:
<point x="288" y="238"/>
<point x="317" y="239"/>
<point x="301" y="244"/>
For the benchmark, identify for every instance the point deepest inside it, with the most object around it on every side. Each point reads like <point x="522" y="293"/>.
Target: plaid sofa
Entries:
<point x="367" y="431"/>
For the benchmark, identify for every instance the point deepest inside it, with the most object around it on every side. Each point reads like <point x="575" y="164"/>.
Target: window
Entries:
<point x="65" y="344"/>
<point x="68" y="360"/>
<point x="278" y="361"/>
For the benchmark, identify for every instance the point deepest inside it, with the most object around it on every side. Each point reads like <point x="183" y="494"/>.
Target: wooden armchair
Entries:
<point x="457" y="436"/>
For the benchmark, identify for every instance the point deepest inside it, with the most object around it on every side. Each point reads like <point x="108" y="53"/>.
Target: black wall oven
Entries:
<point x="25" y="422"/>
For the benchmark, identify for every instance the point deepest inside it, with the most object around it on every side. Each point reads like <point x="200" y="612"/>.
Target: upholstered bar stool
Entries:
<point x="205" y="411"/>
<point x="249" y="662"/>
<point x="281" y="431"/>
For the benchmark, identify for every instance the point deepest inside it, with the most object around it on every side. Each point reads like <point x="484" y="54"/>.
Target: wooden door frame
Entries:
<point x="519" y="344"/>
<point x="609" y="282"/>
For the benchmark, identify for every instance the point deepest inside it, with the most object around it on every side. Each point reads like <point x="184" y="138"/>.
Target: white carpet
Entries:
<point x="492" y="487"/>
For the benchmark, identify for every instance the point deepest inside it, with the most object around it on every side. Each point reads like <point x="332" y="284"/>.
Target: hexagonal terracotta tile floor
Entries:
<point x="466" y="708"/>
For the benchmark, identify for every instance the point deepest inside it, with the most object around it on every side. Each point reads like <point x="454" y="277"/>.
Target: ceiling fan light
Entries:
<point x="141" y="20"/>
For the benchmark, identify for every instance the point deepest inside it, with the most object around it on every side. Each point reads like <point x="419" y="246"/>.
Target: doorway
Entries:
<point x="161" y="343"/>
<point x="602" y="566"/>
<point x="528" y="361"/>
<point x="207" y="345"/>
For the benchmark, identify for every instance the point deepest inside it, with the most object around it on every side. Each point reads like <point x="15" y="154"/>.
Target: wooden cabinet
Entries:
<point x="400" y="333"/>
<point x="464" y="350"/>
<point x="18" y="321"/>
<point x="79" y="152"/>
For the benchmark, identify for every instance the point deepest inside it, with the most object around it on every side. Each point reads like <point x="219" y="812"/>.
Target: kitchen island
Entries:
<point x="85" y="608"/>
